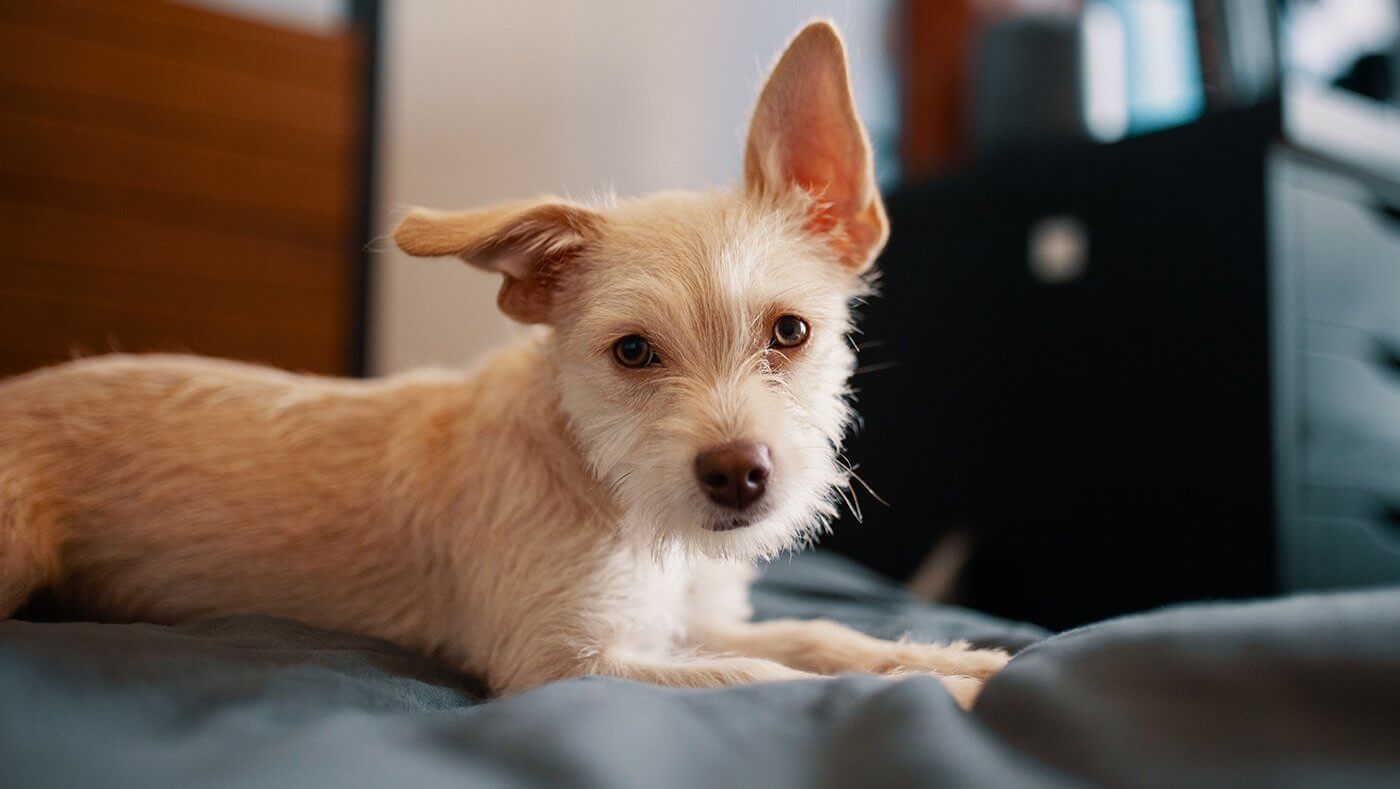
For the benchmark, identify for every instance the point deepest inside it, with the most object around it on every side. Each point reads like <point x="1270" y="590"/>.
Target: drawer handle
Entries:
<point x="1387" y="355"/>
<point x="1387" y="521"/>
<point x="1388" y="212"/>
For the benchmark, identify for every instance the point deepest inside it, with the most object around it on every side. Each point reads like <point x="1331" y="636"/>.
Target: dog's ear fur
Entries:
<point x="805" y="135"/>
<point x="528" y="242"/>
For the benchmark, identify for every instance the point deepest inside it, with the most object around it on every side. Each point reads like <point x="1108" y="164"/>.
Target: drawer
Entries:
<point x="1370" y="346"/>
<point x="1349" y="251"/>
<point x="1341" y="538"/>
<point x="1328" y="553"/>
<point x="1351" y="423"/>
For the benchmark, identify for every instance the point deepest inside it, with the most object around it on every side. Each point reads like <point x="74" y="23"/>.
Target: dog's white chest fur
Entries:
<point x="657" y="618"/>
<point x="659" y="604"/>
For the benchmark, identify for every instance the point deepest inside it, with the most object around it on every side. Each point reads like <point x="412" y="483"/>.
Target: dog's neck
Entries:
<point x="522" y="385"/>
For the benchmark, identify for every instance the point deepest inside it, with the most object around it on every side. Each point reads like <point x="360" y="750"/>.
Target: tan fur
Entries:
<point x="532" y="519"/>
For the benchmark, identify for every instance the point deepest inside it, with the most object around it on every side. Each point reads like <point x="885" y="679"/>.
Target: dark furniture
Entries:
<point x="1103" y="425"/>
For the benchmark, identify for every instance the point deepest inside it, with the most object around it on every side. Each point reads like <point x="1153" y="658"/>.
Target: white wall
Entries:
<point x="316" y="16"/>
<point x="486" y="101"/>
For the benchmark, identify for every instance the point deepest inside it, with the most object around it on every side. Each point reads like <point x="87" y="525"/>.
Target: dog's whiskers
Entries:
<point x="876" y="367"/>
<point x="850" y="468"/>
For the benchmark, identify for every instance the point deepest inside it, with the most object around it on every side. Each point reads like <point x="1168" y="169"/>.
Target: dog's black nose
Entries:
<point x="734" y="475"/>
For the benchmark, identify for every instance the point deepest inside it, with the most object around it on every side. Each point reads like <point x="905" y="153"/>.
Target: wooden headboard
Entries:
<point x="176" y="179"/>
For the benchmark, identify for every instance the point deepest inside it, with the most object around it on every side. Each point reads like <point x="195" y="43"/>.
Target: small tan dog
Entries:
<point x="589" y="501"/>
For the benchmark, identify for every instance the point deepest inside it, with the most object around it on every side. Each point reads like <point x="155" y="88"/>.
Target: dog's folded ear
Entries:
<point x="805" y="135"/>
<point x="528" y="242"/>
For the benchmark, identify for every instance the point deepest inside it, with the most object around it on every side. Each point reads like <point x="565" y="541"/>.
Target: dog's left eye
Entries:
<point x="789" y="331"/>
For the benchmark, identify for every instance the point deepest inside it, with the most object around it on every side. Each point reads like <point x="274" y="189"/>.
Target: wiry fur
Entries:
<point x="705" y="276"/>
<point x="537" y="517"/>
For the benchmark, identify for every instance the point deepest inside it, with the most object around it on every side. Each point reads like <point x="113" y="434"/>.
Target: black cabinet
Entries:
<point x="1074" y="362"/>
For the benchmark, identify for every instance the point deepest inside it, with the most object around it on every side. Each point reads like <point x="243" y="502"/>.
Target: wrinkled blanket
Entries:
<point x="1295" y="692"/>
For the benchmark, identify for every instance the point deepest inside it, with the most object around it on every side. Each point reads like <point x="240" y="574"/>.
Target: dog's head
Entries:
<point x="701" y="340"/>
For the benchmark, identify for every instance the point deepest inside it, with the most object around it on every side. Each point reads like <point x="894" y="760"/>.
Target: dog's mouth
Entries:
<point x="733" y="522"/>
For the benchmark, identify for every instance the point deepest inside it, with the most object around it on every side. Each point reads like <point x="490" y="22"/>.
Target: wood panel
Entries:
<point x="281" y="197"/>
<point x="141" y="291"/>
<point x="88" y="328"/>
<point x="176" y="179"/>
<point x="316" y="150"/>
<point x="936" y="74"/>
<point x="30" y="57"/>
<point x="55" y="235"/>
<point x="199" y="38"/>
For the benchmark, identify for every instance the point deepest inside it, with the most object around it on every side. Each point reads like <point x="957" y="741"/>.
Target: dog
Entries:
<point x="591" y="500"/>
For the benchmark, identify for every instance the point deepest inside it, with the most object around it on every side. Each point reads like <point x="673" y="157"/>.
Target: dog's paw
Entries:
<point x="955" y="659"/>
<point x="979" y="663"/>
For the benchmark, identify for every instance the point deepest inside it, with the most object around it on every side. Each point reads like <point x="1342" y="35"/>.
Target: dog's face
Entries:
<point x="703" y="358"/>
<point x="701" y="340"/>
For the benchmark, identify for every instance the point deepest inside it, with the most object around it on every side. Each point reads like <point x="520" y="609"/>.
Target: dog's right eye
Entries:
<point x="634" y="351"/>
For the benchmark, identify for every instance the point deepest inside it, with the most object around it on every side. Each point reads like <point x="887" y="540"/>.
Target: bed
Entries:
<point x="1299" y="691"/>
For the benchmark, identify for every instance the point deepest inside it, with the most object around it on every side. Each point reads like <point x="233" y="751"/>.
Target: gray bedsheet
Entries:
<point x="1303" y="691"/>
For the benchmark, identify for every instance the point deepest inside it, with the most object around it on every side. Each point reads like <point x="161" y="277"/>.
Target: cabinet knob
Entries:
<point x="1058" y="249"/>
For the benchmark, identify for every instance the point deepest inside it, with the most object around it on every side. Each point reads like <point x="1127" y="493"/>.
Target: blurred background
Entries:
<point x="1139" y="338"/>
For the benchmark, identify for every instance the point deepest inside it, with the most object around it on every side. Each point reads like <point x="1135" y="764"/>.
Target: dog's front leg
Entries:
<point x="825" y="647"/>
<point x="695" y="671"/>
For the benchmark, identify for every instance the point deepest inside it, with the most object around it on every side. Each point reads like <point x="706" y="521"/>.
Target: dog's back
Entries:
<point x="127" y="477"/>
<point x="162" y="450"/>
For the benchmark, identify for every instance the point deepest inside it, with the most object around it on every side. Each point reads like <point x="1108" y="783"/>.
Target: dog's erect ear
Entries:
<point x="805" y="134"/>
<point x="527" y="241"/>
